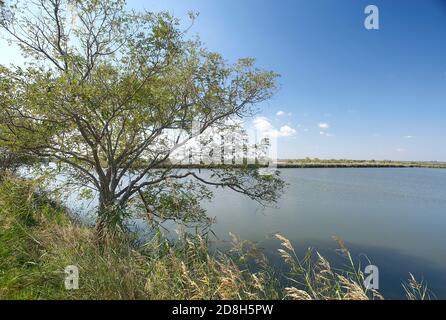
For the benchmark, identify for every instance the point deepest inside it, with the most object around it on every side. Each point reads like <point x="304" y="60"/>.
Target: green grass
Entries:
<point x="38" y="240"/>
<point x="22" y="212"/>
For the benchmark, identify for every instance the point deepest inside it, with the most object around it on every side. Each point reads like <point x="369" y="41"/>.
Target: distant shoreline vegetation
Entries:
<point x="343" y="163"/>
<point x="317" y="163"/>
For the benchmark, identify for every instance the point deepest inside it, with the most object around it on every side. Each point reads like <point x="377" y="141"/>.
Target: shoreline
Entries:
<point x="368" y="165"/>
<point x="290" y="164"/>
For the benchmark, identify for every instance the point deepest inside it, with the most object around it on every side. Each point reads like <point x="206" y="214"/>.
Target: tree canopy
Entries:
<point x="109" y="94"/>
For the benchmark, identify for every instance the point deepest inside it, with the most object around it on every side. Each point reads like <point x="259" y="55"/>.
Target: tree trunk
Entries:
<point x="106" y="221"/>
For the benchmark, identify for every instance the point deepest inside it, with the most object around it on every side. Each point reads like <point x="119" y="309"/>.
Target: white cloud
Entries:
<point x="323" y="125"/>
<point x="280" y="113"/>
<point x="408" y="137"/>
<point x="321" y="133"/>
<point x="262" y="124"/>
<point x="400" y="150"/>
<point x="287" y="131"/>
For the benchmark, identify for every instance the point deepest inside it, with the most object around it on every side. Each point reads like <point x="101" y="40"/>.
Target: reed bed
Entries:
<point x="38" y="240"/>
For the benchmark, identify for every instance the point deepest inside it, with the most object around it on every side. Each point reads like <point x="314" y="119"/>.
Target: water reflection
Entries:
<point x="394" y="216"/>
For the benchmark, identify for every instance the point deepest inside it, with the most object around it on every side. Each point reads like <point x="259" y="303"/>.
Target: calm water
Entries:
<point x="397" y="217"/>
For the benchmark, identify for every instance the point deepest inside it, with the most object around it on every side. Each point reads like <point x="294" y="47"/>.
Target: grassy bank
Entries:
<point x="38" y="240"/>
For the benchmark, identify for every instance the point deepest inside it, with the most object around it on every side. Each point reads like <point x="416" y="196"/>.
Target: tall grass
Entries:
<point x="38" y="240"/>
<point x="315" y="279"/>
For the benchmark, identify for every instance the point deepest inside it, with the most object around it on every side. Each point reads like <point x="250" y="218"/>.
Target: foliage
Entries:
<point x="319" y="280"/>
<point x="11" y="161"/>
<point x="107" y="90"/>
<point x="38" y="240"/>
<point x="416" y="290"/>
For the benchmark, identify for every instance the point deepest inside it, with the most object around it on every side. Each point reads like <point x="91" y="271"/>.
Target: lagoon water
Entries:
<point x="394" y="217"/>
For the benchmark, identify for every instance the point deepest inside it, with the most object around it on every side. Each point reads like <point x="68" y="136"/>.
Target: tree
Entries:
<point x="11" y="161"/>
<point x="109" y="94"/>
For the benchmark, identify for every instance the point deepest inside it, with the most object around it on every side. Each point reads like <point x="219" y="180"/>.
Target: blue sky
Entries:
<point x="348" y="92"/>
